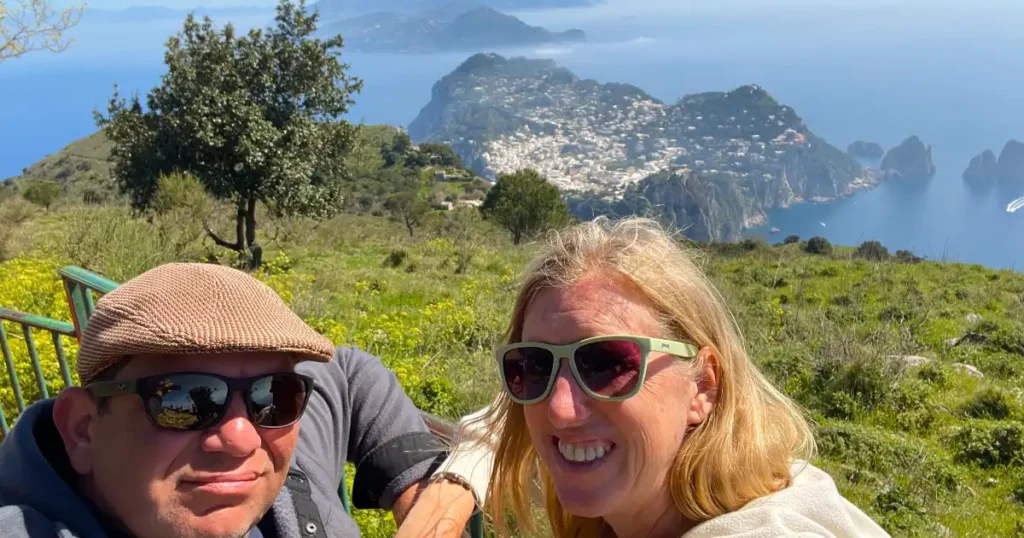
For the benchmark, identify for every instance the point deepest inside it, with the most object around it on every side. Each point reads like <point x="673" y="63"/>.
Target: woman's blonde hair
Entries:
<point x="744" y="448"/>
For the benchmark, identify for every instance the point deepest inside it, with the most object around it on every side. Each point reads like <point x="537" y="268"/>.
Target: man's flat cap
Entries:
<point x="193" y="308"/>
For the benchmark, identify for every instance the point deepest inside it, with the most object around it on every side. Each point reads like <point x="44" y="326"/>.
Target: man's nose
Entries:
<point x="236" y="435"/>
<point x="568" y="404"/>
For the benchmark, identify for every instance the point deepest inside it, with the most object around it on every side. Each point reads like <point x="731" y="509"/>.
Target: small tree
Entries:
<point x="872" y="250"/>
<point x="14" y="213"/>
<point x="42" y="192"/>
<point x="256" y="118"/>
<point x="524" y="203"/>
<point x="408" y="208"/>
<point x="818" y="245"/>
<point x="791" y="240"/>
<point x="31" y="25"/>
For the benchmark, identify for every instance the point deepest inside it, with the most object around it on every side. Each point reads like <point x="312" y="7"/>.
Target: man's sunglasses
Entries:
<point x="194" y="401"/>
<point x="608" y="368"/>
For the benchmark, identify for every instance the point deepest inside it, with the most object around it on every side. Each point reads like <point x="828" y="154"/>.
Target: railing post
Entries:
<point x="80" y="309"/>
<point x="34" y="356"/>
<point x="58" y="346"/>
<point x="9" y="360"/>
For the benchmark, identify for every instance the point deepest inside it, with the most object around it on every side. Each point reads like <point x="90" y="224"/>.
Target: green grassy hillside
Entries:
<point x="78" y="160"/>
<point x="912" y="372"/>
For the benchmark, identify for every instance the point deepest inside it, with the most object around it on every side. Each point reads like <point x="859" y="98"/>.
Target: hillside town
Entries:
<point x="586" y="136"/>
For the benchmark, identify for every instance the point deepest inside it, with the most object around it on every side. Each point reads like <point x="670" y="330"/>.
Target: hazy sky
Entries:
<point x="684" y="4"/>
<point x="187" y="4"/>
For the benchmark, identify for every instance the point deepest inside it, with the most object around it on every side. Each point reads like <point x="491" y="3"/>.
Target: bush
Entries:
<point x="791" y="240"/>
<point x="180" y="191"/>
<point x="13" y="213"/>
<point x="990" y="403"/>
<point x="872" y="250"/>
<point x="751" y="244"/>
<point x="818" y="245"/>
<point x="989" y="445"/>
<point x="42" y="192"/>
<point x="905" y="256"/>
<point x="395" y="258"/>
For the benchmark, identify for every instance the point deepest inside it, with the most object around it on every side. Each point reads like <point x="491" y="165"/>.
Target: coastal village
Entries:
<point x="585" y="136"/>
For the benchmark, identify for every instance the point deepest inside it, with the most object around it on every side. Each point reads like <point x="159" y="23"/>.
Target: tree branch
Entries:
<point x="219" y="241"/>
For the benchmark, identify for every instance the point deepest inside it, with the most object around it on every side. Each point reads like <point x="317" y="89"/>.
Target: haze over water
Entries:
<point x="951" y="74"/>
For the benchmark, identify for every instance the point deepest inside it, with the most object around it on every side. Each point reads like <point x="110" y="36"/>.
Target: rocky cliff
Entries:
<point x="982" y="170"/>
<point x="454" y="27"/>
<point x="747" y="152"/>
<point x="1011" y="162"/>
<point x="865" y="150"/>
<point x="911" y="160"/>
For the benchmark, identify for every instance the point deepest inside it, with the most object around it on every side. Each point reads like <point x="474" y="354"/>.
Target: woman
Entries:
<point x="629" y="395"/>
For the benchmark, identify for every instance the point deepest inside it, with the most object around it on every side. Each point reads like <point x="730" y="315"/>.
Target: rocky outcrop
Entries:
<point x="911" y="160"/>
<point x="456" y="27"/>
<point x="1011" y="162"/>
<point x="713" y="162"/>
<point x="983" y="169"/>
<point x="865" y="150"/>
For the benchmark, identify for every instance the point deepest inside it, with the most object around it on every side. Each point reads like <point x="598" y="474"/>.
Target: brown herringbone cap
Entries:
<point x="193" y="308"/>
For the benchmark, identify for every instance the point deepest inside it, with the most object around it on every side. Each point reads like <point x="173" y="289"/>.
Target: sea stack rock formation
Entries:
<point x="911" y="160"/>
<point x="1011" y="162"/>
<point x="983" y="169"/>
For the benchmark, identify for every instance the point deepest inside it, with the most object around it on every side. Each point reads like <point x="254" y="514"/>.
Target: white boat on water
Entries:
<point x="1015" y="205"/>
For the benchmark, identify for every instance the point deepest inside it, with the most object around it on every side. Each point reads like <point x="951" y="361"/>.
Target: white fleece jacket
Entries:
<point x="810" y="507"/>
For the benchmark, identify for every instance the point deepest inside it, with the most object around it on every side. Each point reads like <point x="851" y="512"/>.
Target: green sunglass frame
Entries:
<point x="568" y="352"/>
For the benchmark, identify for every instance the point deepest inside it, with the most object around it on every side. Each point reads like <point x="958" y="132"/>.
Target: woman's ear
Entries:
<point x="707" y="379"/>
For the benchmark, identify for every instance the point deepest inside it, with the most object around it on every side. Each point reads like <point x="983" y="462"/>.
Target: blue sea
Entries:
<point x="950" y="72"/>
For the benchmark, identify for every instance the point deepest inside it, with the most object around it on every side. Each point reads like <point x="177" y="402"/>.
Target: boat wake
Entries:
<point x="1015" y="205"/>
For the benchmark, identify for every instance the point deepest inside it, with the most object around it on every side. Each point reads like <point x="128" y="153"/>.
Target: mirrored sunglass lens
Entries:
<point x="188" y="401"/>
<point x="527" y="371"/>
<point x="610" y="368"/>
<point x="278" y="400"/>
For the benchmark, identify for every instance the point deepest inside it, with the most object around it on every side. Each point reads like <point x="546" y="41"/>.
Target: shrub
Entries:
<point x="791" y="240"/>
<point x="1018" y="492"/>
<point x="880" y="454"/>
<point x="395" y="258"/>
<point x="990" y="403"/>
<point x="818" y="245"/>
<point x="42" y="192"/>
<point x="13" y="214"/>
<point x="989" y="445"/>
<point x="905" y="256"/>
<point x="896" y="499"/>
<point x="750" y="244"/>
<point x="872" y="250"/>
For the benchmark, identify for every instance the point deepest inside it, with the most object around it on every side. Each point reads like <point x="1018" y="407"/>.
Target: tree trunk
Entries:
<point x="238" y="245"/>
<point x="245" y="233"/>
<point x="409" y="224"/>
<point x="255" y="250"/>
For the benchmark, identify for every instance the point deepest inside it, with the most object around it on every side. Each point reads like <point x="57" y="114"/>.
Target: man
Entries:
<point x="209" y="409"/>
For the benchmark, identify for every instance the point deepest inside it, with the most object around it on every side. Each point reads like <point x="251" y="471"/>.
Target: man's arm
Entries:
<point x="359" y="413"/>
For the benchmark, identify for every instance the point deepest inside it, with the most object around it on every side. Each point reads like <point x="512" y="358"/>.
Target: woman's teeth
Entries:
<point x="584" y="453"/>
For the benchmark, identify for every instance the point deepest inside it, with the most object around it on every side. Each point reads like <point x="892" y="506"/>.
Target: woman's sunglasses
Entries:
<point x="608" y="368"/>
<point x="194" y="401"/>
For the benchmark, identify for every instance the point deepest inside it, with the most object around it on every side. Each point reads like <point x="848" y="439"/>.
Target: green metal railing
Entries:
<point x="80" y="287"/>
<point x="28" y="322"/>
